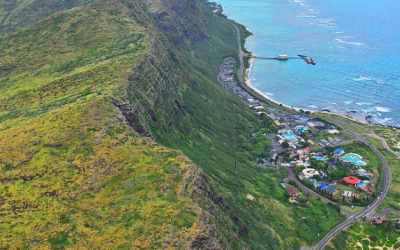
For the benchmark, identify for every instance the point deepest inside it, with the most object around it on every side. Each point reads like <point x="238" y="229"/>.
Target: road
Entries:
<point x="374" y="204"/>
<point x="387" y="210"/>
<point x="291" y="175"/>
<point x="386" y="173"/>
<point x="240" y="53"/>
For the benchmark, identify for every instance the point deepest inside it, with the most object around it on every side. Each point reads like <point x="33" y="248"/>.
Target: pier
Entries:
<point x="307" y="59"/>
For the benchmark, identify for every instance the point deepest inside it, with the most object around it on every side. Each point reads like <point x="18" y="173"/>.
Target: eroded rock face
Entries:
<point x="216" y="215"/>
<point x="153" y="93"/>
<point x="180" y="21"/>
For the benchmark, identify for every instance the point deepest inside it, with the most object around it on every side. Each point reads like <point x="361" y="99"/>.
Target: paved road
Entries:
<point x="386" y="173"/>
<point x="387" y="210"/>
<point x="291" y="175"/>
<point x="374" y="204"/>
<point x="240" y="53"/>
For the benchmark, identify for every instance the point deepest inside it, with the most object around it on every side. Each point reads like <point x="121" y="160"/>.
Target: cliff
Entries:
<point x="77" y="88"/>
<point x="101" y="108"/>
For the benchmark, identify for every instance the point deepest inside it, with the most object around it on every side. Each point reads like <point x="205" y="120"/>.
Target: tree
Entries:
<point x="285" y="144"/>
<point x="320" y="166"/>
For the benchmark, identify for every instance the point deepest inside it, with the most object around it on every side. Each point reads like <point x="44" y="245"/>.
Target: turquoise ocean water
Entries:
<point x="356" y="45"/>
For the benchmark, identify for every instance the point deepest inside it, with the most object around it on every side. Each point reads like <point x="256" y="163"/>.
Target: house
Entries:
<point x="347" y="193"/>
<point x="377" y="221"/>
<point x="323" y="186"/>
<point x="277" y="123"/>
<point x="311" y="142"/>
<point x="338" y="151"/>
<point x="258" y="107"/>
<point x="307" y="149"/>
<point x="291" y="191"/>
<point x="282" y="57"/>
<point x="309" y="173"/>
<point x="332" y="189"/>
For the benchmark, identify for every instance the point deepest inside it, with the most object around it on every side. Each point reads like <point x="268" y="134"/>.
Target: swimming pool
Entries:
<point x="289" y="136"/>
<point x="362" y="173"/>
<point x="351" y="157"/>
<point x="360" y="184"/>
<point x="301" y="129"/>
<point x="360" y="163"/>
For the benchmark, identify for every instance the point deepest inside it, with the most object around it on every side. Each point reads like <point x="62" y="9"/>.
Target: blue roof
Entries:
<point x="338" y="150"/>
<point x="323" y="185"/>
<point x="332" y="162"/>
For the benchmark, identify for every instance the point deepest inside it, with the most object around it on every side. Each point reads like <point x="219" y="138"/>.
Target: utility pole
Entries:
<point x="234" y="140"/>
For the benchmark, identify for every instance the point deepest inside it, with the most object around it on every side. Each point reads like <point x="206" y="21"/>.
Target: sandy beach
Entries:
<point x="267" y="99"/>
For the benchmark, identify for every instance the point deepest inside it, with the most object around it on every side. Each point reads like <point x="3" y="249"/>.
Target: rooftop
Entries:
<point x="351" y="179"/>
<point x="331" y="189"/>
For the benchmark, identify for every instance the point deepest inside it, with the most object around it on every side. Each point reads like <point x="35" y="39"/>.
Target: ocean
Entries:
<point x="356" y="45"/>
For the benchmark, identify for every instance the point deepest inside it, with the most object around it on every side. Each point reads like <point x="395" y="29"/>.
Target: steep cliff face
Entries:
<point x="78" y="89"/>
<point x="153" y="97"/>
<point x="74" y="89"/>
<point x="181" y="21"/>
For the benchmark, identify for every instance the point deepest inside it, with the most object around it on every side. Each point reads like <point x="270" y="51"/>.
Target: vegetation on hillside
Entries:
<point x="368" y="236"/>
<point x="18" y="14"/>
<point x="74" y="173"/>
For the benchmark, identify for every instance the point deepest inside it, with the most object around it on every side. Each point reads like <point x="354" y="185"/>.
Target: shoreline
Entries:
<point x="260" y="95"/>
<point x="272" y="102"/>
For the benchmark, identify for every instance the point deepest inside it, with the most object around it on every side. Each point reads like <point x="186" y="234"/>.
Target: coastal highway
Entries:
<point x="386" y="173"/>
<point x="240" y="53"/>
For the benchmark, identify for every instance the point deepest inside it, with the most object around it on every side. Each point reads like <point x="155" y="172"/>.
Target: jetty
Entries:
<point x="307" y="59"/>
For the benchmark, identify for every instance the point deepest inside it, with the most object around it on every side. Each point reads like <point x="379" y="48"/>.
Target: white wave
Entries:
<point x="348" y="102"/>
<point x="334" y="103"/>
<point x="382" y="109"/>
<point x="361" y="78"/>
<point x="369" y="110"/>
<point x="269" y="94"/>
<point x="339" y="32"/>
<point x="383" y="121"/>
<point x="347" y="42"/>
<point x="348" y="91"/>
<point x="362" y="103"/>
<point x="313" y="106"/>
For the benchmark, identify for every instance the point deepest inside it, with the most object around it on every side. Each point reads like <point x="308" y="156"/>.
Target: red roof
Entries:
<point x="307" y="149"/>
<point x="351" y="179"/>
<point x="291" y="190"/>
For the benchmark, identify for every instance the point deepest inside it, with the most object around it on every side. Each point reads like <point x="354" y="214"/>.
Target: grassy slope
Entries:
<point x="18" y="14"/>
<point x="367" y="236"/>
<point x="73" y="173"/>
<point x="82" y="182"/>
<point x="72" y="61"/>
<point x="272" y="222"/>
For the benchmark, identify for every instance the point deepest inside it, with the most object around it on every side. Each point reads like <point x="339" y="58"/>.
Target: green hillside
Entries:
<point x="17" y="14"/>
<point x="85" y="95"/>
